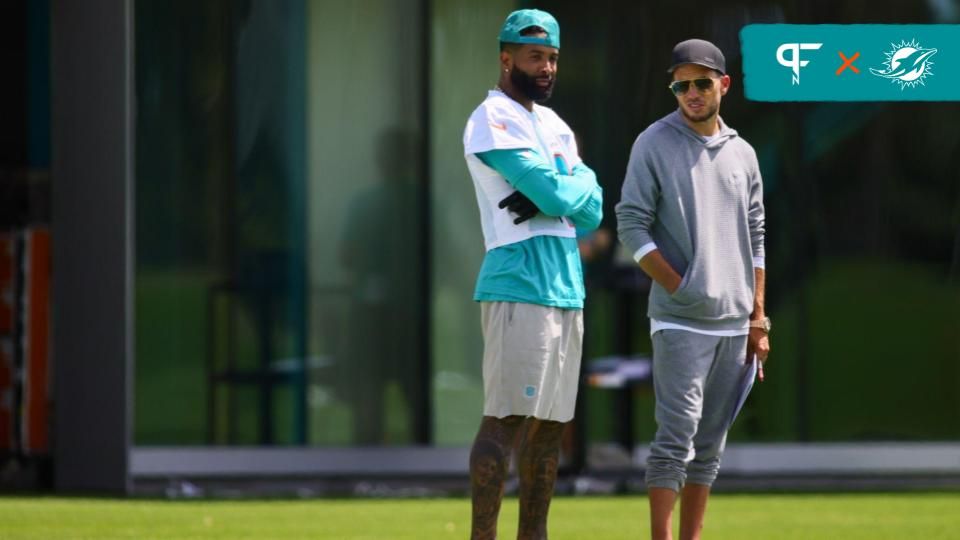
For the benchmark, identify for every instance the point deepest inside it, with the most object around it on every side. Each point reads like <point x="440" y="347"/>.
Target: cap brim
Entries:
<point x="710" y="66"/>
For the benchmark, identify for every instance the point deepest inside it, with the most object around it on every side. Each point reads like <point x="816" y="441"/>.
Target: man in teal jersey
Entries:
<point x="533" y="193"/>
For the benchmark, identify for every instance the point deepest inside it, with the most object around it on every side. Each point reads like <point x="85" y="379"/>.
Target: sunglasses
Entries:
<point x="680" y="87"/>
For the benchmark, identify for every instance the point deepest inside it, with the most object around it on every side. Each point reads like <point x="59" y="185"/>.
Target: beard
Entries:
<point x="528" y="85"/>
<point x="710" y="109"/>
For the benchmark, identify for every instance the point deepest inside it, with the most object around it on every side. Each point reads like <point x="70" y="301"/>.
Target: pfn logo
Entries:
<point x="794" y="62"/>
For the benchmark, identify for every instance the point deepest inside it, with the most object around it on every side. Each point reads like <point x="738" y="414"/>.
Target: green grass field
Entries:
<point x="801" y="517"/>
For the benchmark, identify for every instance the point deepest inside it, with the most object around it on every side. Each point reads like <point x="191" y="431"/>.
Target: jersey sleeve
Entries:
<point x="588" y="217"/>
<point x="495" y="128"/>
<point x="553" y="193"/>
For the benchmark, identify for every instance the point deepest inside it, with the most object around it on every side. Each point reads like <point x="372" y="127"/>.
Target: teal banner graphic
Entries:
<point x="856" y="62"/>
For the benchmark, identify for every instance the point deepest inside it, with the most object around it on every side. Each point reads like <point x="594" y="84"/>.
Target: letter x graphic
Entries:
<point x="848" y="62"/>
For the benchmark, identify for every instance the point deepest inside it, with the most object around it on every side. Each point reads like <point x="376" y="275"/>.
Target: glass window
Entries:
<point x="280" y="215"/>
<point x="305" y="276"/>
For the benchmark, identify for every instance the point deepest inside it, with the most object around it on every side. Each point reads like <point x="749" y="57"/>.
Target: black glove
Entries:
<point x="518" y="203"/>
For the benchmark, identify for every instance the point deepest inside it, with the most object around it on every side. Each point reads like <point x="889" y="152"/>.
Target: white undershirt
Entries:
<point x="656" y="326"/>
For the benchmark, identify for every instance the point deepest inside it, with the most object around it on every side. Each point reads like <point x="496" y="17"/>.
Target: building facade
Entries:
<point x="264" y="237"/>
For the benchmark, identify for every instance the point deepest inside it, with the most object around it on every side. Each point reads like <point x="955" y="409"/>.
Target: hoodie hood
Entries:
<point x="675" y="120"/>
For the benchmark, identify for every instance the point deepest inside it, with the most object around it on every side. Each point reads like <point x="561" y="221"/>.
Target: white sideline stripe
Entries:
<point x="746" y="459"/>
<point x="842" y="458"/>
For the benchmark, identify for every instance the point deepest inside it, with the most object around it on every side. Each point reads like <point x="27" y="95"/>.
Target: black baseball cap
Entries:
<point x="700" y="52"/>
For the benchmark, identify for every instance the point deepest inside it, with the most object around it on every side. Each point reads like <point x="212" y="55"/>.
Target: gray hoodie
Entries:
<point x="701" y="203"/>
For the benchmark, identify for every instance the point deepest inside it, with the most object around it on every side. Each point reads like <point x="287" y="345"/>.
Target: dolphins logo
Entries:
<point x="907" y="64"/>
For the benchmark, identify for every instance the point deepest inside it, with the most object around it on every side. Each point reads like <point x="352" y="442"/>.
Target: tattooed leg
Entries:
<point x="539" y="454"/>
<point x="489" y="463"/>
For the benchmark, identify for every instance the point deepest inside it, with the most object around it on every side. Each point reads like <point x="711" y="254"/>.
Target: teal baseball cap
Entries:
<point x="520" y="20"/>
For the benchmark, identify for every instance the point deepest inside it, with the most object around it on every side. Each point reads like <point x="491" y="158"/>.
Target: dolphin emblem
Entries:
<point x="907" y="64"/>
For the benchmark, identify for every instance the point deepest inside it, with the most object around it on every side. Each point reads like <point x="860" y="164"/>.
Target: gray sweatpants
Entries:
<point x="698" y="381"/>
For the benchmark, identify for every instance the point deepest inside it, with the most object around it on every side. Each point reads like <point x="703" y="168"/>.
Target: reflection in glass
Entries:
<point x="279" y="249"/>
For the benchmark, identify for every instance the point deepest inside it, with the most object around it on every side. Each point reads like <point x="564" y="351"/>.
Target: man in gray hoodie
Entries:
<point x="691" y="212"/>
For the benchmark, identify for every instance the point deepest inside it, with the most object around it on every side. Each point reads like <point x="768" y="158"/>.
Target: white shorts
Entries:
<point x="531" y="360"/>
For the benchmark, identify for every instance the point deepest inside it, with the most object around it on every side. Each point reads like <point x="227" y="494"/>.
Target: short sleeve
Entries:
<point x="492" y="127"/>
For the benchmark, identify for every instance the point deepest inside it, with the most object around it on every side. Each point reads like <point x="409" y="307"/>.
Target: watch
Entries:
<point x="763" y="324"/>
